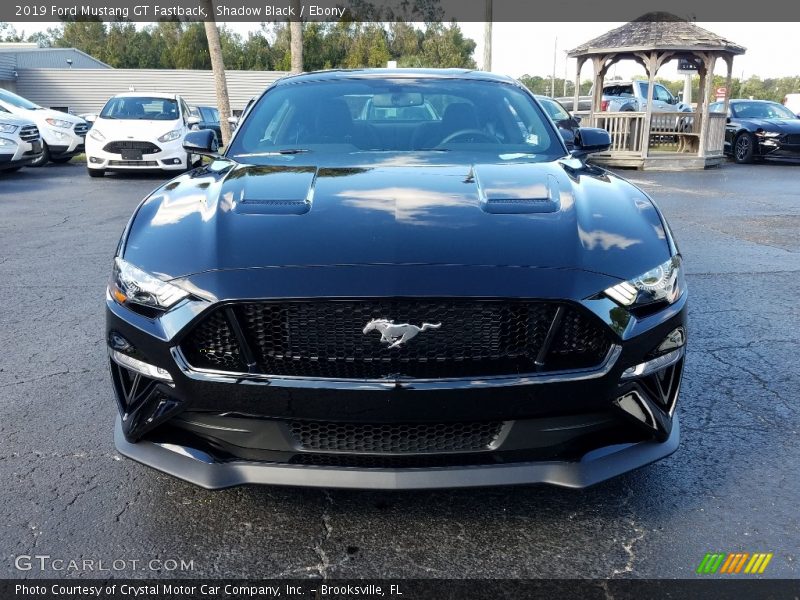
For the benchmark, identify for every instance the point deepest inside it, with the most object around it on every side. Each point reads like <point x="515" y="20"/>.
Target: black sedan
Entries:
<point x="205" y="117"/>
<point x="760" y="129"/>
<point x="566" y="123"/>
<point x="397" y="303"/>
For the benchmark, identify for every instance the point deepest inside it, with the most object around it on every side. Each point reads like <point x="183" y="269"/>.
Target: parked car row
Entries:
<point x="758" y="129"/>
<point x="33" y="135"/>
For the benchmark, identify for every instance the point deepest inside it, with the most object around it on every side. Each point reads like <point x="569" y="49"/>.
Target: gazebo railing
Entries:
<point x="677" y="132"/>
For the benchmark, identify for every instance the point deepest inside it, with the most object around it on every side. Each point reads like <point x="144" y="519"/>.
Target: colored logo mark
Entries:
<point x="734" y="562"/>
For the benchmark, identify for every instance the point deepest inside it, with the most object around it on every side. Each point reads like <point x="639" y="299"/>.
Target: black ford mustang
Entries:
<point x="758" y="129"/>
<point x="397" y="279"/>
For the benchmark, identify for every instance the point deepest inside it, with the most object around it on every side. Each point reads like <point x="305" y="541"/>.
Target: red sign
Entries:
<point x="722" y="91"/>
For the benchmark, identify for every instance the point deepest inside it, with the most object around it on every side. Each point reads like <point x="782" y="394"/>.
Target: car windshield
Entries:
<point x="359" y="115"/>
<point x="761" y="110"/>
<point x="17" y="101"/>
<point x="140" y="108"/>
<point x="554" y="109"/>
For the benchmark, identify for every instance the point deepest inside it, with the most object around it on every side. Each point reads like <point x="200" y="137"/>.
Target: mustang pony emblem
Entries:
<point x="397" y="334"/>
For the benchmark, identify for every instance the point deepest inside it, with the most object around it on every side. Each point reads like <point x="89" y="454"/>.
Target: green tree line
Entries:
<point x="342" y="44"/>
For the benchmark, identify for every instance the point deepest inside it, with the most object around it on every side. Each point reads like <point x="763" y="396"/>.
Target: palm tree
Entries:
<point x="218" y="69"/>
<point x="296" y="36"/>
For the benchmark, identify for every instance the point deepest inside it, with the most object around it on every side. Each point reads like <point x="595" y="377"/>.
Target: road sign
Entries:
<point x="721" y="92"/>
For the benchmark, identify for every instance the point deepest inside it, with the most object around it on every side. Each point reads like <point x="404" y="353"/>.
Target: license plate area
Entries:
<point x="130" y="154"/>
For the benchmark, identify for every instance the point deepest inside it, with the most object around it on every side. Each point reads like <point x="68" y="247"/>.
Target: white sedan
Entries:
<point x="139" y="131"/>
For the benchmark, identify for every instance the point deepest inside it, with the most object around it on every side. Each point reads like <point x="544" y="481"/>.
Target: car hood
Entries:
<point x="12" y="119"/>
<point x="115" y="129"/>
<point x="544" y="216"/>
<point x="778" y="125"/>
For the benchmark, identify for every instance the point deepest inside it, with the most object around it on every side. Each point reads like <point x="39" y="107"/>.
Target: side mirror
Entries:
<point x="90" y="118"/>
<point x="727" y="119"/>
<point x="193" y="122"/>
<point x="233" y="122"/>
<point x="201" y="142"/>
<point x="589" y="140"/>
<point x="568" y="137"/>
<point x="576" y="119"/>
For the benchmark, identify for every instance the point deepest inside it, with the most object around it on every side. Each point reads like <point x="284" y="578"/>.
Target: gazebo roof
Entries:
<point x="657" y="31"/>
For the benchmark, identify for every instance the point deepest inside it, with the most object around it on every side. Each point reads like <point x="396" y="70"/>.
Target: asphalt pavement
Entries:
<point x="733" y="485"/>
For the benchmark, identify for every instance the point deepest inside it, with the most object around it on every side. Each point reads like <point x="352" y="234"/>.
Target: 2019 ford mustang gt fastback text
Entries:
<point x="397" y="279"/>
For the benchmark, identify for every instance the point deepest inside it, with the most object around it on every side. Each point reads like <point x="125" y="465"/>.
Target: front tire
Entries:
<point x="43" y="159"/>
<point x="96" y="172"/>
<point x="744" y="148"/>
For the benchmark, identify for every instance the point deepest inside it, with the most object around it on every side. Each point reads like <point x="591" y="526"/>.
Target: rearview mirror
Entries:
<point x="201" y="142"/>
<point x="397" y="100"/>
<point x="589" y="140"/>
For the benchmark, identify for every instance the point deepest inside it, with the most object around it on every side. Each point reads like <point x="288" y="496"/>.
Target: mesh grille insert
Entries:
<point x="325" y="338"/>
<point x="395" y="438"/>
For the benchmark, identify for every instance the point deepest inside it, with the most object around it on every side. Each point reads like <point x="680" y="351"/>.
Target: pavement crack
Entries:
<point x="327" y="529"/>
<point x="628" y="547"/>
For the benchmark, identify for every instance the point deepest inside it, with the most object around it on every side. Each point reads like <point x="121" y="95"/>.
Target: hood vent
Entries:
<point x="516" y="189"/>
<point x="270" y="190"/>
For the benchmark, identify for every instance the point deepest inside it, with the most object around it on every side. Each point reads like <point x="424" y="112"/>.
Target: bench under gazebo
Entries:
<point x="654" y="139"/>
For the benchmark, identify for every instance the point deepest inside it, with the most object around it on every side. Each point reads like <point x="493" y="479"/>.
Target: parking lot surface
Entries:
<point x="732" y="486"/>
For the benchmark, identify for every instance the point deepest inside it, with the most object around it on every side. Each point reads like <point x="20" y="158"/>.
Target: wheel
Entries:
<point x="743" y="148"/>
<point x="61" y="159"/>
<point x="43" y="159"/>
<point x="95" y="172"/>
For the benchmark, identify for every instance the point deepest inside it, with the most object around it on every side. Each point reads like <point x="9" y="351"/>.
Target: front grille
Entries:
<point x="118" y="147"/>
<point x="133" y="163"/>
<point x="80" y="129"/>
<point x="367" y="461"/>
<point x="325" y="338"/>
<point x="394" y="438"/>
<point x="29" y="133"/>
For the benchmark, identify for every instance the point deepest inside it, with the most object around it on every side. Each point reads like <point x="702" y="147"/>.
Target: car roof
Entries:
<point x="147" y="95"/>
<point x="342" y="74"/>
<point x="735" y="100"/>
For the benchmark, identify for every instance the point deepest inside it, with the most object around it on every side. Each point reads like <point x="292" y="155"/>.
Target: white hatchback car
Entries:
<point x="139" y="131"/>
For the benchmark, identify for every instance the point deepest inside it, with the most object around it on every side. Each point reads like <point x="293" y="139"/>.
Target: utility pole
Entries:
<point x="566" y="63"/>
<point x="487" y="37"/>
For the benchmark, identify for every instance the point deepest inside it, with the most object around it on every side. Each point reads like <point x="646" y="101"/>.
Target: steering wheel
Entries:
<point x="473" y="133"/>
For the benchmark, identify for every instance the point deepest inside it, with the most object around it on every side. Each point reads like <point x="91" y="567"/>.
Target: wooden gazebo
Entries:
<point x="658" y="139"/>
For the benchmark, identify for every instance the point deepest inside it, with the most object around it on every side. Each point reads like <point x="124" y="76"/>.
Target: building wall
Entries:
<point x="7" y="64"/>
<point x="87" y="90"/>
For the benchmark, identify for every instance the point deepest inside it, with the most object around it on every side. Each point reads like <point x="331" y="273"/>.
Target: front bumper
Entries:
<point x="598" y="436"/>
<point x="199" y="468"/>
<point x="62" y="142"/>
<point x="20" y="155"/>
<point x="172" y="157"/>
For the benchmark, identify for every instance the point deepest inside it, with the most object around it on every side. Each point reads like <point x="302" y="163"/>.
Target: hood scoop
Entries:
<point x="516" y="189"/>
<point x="272" y="190"/>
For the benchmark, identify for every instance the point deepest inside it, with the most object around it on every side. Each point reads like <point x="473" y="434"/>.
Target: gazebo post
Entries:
<point x="729" y="61"/>
<point x="709" y="59"/>
<point x="580" y="60"/>
<point x="652" y="67"/>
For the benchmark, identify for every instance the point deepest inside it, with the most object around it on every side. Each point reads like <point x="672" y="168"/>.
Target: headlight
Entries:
<point x="664" y="283"/>
<point x="96" y="135"/>
<point x="59" y="123"/>
<point x="768" y="134"/>
<point x="4" y="143"/>
<point x="172" y="135"/>
<point x="7" y="128"/>
<point x="131" y="284"/>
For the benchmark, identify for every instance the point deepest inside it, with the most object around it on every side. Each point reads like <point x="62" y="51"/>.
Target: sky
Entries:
<point x="528" y="48"/>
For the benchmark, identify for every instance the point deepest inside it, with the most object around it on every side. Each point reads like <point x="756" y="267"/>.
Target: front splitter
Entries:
<point x="196" y="467"/>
